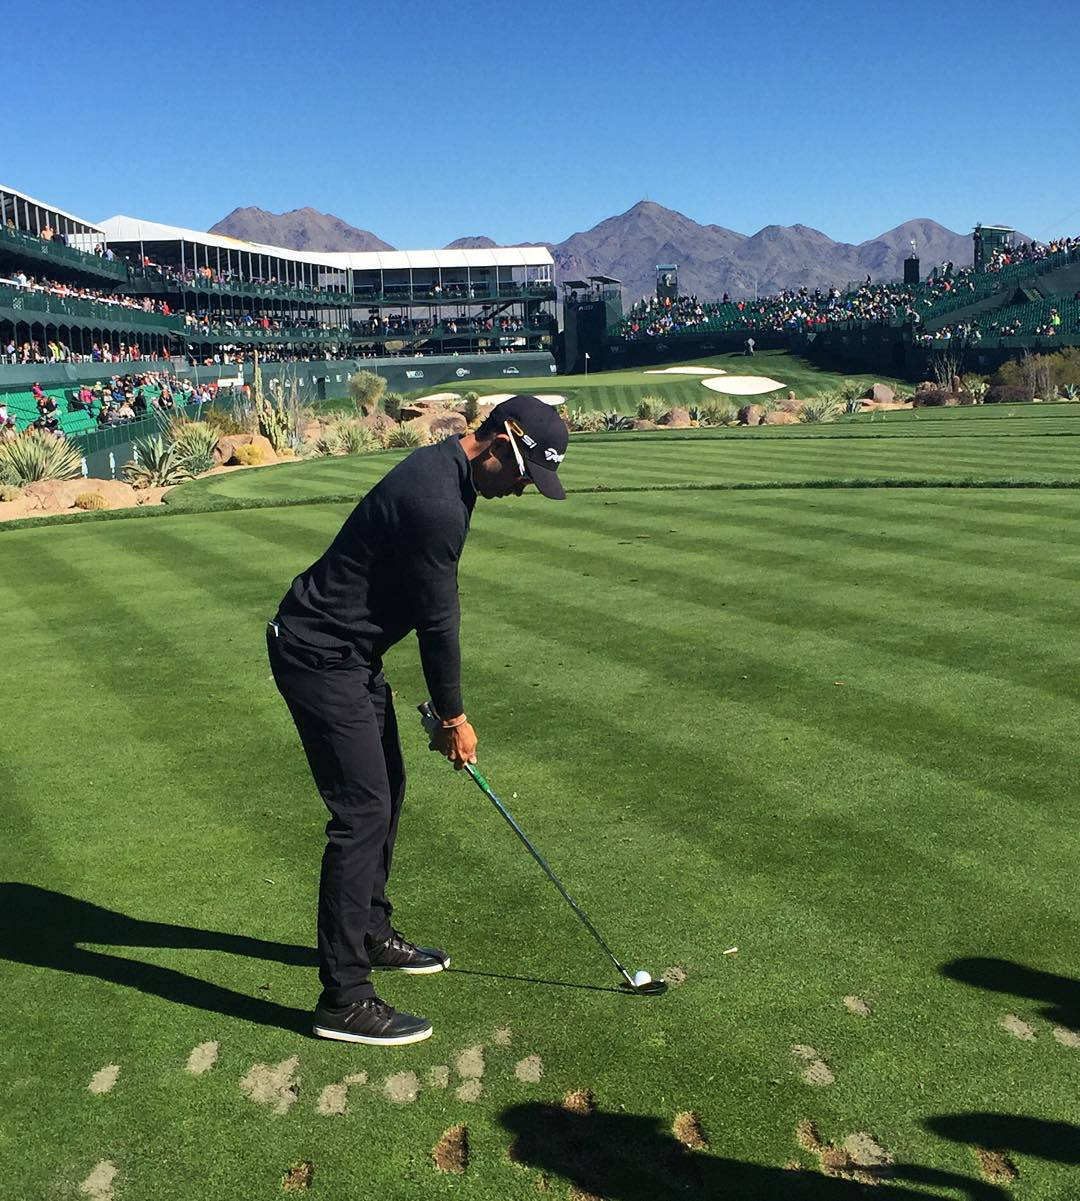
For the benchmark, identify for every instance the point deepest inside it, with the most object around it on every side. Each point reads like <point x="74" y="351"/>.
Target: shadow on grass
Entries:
<point x="44" y="928"/>
<point x="630" y="1157"/>
<point x="1061" y="993"/>
<point x="1058" y="1142"/>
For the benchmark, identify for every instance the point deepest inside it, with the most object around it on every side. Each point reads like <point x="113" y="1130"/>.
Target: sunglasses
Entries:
<point x="513" y="428"/>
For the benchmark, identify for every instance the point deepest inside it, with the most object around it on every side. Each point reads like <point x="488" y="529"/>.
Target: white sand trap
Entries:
<point x="686" y="371"/>
<point x="549" y="398"/>
<point x="437" y="396"/>
<point x="743" y="385"/>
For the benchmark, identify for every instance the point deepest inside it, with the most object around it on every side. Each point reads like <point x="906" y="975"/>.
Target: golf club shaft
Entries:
<point x="486" y="789"/>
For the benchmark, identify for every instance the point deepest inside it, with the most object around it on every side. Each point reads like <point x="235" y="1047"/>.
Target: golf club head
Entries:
<point x="655" y="988"/>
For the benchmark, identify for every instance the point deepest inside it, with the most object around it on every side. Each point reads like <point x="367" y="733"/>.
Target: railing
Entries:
<point x="346" y="333"/>
<point x="31" y="301"/>
<point x="61" y="255"/>
<point x="164" y="282"/>
<point x="450" y="294"/>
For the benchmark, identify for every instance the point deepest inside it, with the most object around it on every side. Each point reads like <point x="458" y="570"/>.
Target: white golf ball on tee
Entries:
<point x="641" y="979"/>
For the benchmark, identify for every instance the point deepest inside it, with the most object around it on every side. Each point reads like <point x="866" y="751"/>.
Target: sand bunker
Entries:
<point x="686" y="371"/>
<point x="742" y="385"/>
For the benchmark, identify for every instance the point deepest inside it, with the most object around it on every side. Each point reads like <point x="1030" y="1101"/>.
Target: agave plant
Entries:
<point x="614" y="422"/>
<point x="1069" y="392"/>
<point x="156" y="464"/>
<point x="651" y="408"/>
<point x="353" y="438"/>
<point x="194" y="446"/>
<point x="35" y="456"/>
<point x="403" y="437"/>
<point x="718" y="414"/>
<point x="821" y="408"/>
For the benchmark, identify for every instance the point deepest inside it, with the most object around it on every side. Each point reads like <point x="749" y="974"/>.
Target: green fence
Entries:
<point x="16" y="241"/>
<point x="28" y="304"/>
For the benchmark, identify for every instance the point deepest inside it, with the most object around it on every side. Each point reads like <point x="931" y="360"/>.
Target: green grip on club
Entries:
<point x="477" y="777"/>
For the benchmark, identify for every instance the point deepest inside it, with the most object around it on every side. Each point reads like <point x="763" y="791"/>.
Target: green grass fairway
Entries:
<point x="834" y="728"/>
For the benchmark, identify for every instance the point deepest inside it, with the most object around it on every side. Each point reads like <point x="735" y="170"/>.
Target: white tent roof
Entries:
<point x="52" y="208"/>
<point x="131" y="229"/>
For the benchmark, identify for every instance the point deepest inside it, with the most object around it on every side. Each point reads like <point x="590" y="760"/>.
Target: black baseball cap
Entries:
<point x="539" y="434"/>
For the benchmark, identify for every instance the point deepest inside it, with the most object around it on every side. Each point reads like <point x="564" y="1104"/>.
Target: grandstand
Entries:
<point x="83" y="302"/>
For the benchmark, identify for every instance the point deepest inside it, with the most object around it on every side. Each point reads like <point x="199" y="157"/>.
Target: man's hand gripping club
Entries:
<point x="453" y="737"/>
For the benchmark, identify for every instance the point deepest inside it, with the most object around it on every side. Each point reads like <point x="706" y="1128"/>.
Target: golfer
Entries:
<point x="392" y="568"/>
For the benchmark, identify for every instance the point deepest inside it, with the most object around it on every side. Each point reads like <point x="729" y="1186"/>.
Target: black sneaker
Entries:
<point x="399" y="955"/>
<point x="370" y="1021"/>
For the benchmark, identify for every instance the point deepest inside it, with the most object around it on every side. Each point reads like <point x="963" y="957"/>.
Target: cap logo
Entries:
<point x="529" y="442"/>
<point x="552" y="454"/>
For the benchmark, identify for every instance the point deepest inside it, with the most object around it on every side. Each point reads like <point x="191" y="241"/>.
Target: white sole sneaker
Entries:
<point x="415" y="971"/>
<point x="343" y="1036"/>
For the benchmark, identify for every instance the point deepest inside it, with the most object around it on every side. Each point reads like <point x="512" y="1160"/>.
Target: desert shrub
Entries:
<point x="472" y="406"/>
<point x="90" y="500"/>
<point x="931" y="398"/>
<point x="1006" y="394"/>
<point x="403" y="437"/>
<point x="9" y="492"/>
<point x="826" y="407"/>
<point x="613" y="422"/>
<point x="366" y="389"/>
<point x="354" y="438"/>
<point x="249" y="455"/>
<point x="586" y="421"/>
<point x="1008" y="375"/>
<point x="1068" y="367"/>
<point x="719" y="413"/>
<point x="194" y="444"/>
<point x="227" y="421"/>
<point x="35" y="455"/>
<point x="651" y="408"/>
<point x="156" y="464"/>
<point x="848" y="391"/>
<point x="975" y="386"/>
<point x="392" y="405"/>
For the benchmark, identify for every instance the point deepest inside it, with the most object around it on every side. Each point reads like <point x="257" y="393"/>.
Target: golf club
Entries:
<point x="640" y="981"/>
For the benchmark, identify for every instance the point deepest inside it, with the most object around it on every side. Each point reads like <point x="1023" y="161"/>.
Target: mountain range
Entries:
<point x="711" y="259"/>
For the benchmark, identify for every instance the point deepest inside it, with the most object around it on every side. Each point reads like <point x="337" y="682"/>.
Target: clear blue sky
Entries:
<point x="532" y="120"/>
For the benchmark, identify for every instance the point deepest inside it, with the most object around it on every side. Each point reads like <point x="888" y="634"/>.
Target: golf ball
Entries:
<point x="641" y="979"/>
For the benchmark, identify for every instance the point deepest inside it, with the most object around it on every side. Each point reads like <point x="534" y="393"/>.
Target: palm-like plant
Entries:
<point x="35" y="456"/>
<point x="404" y="437"/>
<point x="194" y="445"/>
<point x="156" y="464"/>
<point x="614" y="422"/>
<point x="822" y="408"/>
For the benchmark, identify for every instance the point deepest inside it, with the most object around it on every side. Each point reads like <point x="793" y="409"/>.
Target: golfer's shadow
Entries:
<point x="630" y="1157"/>
<point x="1061" y="993"/>
<point x="45" y="928"/>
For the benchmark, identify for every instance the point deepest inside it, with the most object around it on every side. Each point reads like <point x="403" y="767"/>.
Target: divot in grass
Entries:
<point x="580" y="1100"/>
<point x="98" y="1185"/>
<point x="401" y="1088"/>
<point x="439" y="1076"/>
<point x="1065" y="1037"/>
<point x="470" y="1063"/>
<point x="298" y="1176"/>
<point x="1017" y="1027"/>
<point x="530" y="1069"/>
<point x="996" y="1167"/>
<point x="674" y="976"/>
<point x="202" y="1058"/>
<point x="687" y="1129"/>
<point x="277" y="1086"/>
<point x="861" y="1157"/>
<point x="857" y="1006"/>
<point x="451" y="1152"/>
<point x="814" y="1068"/>
<point x="104" y="1079"/>
<point x="469" y="1090"/>
<point x="332" y="1100"/>
<point x="503" y="1037"/>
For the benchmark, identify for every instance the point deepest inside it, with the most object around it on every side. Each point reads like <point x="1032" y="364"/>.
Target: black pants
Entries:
<point x="344" y="713"/>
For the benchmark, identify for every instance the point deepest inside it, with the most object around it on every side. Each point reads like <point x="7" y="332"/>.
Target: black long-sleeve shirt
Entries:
<point x="393" y="568"/>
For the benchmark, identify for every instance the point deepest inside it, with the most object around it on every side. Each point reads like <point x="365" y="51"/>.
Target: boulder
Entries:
<point x="642" y="424"/>
<point x="56" y="496"/>
<point x="751" y="414"/>
<point x="880" y="394"/>
<point x="779" y="417"/>
<point x="225" y="451"/>
<point x="678" y="419"/>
